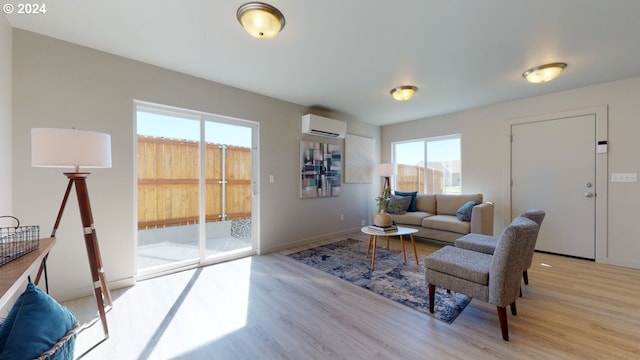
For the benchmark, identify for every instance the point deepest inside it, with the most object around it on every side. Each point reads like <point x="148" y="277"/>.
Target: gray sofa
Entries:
<point x="435" y="216"/>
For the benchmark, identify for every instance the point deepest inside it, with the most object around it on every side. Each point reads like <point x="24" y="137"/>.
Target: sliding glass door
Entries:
<point x="188" y="214"/>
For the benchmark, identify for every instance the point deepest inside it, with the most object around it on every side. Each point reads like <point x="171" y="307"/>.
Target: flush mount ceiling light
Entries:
<point x="404" y="92"/>
<point x="261" y="20"/>
<point x="544" y="73"/>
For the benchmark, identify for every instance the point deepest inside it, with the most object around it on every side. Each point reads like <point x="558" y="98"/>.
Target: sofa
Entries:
<point x="443" y="217"/>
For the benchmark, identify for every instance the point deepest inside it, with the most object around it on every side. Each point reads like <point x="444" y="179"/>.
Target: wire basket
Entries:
<point x="17" y="241"/>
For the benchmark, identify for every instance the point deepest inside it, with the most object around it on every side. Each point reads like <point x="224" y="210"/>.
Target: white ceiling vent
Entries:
<point x="322" y="126"/>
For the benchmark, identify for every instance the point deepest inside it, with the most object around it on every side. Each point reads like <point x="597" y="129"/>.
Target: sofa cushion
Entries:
<point x="448" y="204"/>
<point x="465" y="264"/>
<point x="398" y="204"/>
<point x="34" y="324"/>
<point x="410" y="218"/>
<point x="426" y="203"/>
<point x="478" y="242"/>
<point x="413" y="194"/>
<point x="446" y="223"/>
<point x="464" y="212"/>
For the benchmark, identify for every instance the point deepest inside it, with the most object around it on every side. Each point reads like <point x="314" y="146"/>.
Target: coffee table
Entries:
<point x="373" y="239"/>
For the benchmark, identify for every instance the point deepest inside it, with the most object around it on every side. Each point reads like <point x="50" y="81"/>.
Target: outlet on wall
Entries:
<point x="341" y="217"/>
<point x="626" y="177"/>
<point x="362" y="222"/>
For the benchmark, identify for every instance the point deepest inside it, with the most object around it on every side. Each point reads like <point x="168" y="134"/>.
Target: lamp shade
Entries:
<point x="387" y="170"/>
<point x="70" y="148"/>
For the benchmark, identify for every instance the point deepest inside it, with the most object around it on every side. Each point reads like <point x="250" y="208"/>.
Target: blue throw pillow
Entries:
<point x="413" y="194"/>
<point x="464" y="212"/>
<point x="34" y="324"/>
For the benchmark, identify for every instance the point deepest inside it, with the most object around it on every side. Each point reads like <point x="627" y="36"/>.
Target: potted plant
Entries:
<point x="382" y="218"/>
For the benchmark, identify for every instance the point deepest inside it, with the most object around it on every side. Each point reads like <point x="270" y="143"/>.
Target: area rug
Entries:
<point x="392" y="278"/>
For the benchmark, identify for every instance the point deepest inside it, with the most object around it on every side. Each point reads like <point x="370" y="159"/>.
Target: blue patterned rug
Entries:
<point x="392" y="278"/>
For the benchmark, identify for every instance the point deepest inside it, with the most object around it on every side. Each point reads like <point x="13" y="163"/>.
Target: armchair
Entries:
<point x="487" y="244"/>
<point x="491" y="278"/>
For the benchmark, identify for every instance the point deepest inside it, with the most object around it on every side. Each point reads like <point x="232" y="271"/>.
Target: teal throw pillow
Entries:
<point x="413" y="194"/>
<point x="34" y="324"/>
<point x="398" y="204"/>
<point x="464" y="212"/>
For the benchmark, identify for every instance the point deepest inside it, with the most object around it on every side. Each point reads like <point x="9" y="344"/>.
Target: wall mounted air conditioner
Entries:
<point x="322" y="126"/>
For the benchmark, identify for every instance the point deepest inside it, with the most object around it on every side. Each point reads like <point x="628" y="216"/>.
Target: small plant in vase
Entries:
<point x="382" y="218"/>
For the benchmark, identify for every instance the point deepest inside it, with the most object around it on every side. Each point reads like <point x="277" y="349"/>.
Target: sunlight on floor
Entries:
<point x="232" y="295"/>
<point x="170" y="316"/>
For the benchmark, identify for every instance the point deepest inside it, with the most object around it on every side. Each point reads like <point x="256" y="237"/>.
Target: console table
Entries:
<point x="13" y="273"/>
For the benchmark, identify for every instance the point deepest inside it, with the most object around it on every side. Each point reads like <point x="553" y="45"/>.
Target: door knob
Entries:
<point x="588" y="194"/>
<point x="588" y="185"/>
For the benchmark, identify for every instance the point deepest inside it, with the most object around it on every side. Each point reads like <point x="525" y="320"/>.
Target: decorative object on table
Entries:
<point x="71" y="148"/>
<point x="403" y="283"/>
<point x="17" y="241"/>
<point x="382" y="218"/>
<point x="384" y="229"/>
<point x="358" y="159"/>
<point x="321" y="169"/>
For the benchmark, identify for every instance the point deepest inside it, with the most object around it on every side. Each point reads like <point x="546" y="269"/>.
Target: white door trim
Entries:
<point x="602" y="118"/>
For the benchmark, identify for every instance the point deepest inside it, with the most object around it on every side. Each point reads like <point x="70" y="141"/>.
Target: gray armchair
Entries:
<point x="487" y="244"/>
<point x="491" y="278"/>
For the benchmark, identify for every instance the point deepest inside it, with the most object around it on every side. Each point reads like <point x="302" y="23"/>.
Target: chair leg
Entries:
<point x="525" y="276"/>
<point x="502" y="315"/>
<point x="432" y="297"/>
<point x="513" y="309"/>
<point x="520" y="291"/>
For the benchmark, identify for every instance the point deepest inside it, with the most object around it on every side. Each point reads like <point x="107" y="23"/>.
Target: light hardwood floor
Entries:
<point x="272" y="307"/>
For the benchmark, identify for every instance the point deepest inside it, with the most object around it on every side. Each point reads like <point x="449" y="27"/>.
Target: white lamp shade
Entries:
<point x="387" y="170"/>
<point x="70" y="148"/>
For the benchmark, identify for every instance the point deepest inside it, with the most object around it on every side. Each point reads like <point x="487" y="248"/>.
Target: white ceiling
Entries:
<point x="345" y="55"/>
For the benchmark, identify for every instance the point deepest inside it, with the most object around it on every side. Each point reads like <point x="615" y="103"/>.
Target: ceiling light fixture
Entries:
<point x="544" y="73"/>
<point x="260" y="20"/>
<point x="404" y="92"/>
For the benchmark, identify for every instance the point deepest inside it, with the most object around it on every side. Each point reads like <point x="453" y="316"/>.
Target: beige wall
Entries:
<point x="5" y="118"/>
<point x="58" y="84"/>
<point x="485" y="146"/>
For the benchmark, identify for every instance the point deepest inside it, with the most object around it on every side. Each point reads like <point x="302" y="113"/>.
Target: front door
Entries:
<point x="554" y="168"/>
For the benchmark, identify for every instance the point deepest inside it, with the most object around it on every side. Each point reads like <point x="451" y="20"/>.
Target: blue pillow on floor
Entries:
<point x="34" y="324"/>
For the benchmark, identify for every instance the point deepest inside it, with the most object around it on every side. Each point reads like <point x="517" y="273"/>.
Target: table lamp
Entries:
<point x="71" y="148"/>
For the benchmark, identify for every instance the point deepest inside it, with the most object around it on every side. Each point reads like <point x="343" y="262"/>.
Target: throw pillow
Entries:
<point x="398" y="204"/>
<point x="34" y="324"/>
<point x="413" y="194"/>
<point x="464" y="212"/>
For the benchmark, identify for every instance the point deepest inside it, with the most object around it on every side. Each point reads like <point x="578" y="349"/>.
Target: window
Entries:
<point x="429" y="166"/>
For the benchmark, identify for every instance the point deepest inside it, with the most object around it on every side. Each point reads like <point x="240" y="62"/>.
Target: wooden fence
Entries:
<point x="168" y="174"/>
<point x="412" y="178"/>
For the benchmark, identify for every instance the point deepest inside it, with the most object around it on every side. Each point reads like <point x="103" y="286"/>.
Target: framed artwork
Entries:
<point x="320" y="169"/>
<point x="358" y="159"/>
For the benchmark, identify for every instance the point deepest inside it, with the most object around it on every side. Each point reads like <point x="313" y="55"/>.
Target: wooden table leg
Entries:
<point x="373" y="258"/>
<point x="368" y="246"/>
<point x="404" y="252"/>
<point x="413" y="243"/>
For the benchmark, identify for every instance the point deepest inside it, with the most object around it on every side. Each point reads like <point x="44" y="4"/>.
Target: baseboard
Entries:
<point x="301" y="242"/>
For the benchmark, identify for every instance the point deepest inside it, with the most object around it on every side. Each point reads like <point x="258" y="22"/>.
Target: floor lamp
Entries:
<point x="71" y="148"/>
<point x="386" y="170"/>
